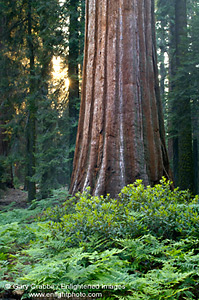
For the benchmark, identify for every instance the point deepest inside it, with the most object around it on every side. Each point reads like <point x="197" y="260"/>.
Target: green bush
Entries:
<point x="138" y="210"/>
<point x="167" y="213"/>
<point x="90" y="215"/>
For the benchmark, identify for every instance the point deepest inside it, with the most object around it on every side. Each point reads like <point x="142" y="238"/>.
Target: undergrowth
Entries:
<point x="143" y="245"/>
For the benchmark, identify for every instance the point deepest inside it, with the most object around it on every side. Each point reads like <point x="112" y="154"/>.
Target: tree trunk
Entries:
<point x="73" y="77"/>
<point x="172" y="127"/>
<point x="120" y="134"/>
<point x="6" y="110"/>
<point x="180" y="131"/>
<point x="31" y="130"/>
<point x="185" y="163"/>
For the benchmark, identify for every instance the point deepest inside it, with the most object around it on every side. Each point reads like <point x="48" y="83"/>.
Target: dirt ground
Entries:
<point x="14" y="197"/>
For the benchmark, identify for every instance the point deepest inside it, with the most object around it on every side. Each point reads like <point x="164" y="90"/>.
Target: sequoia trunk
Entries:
<point x="120" y="134"/>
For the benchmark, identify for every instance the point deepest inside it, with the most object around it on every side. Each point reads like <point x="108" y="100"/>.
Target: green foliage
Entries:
<point x="137" y="211"/>
<point x="114" y="246"/>
<point x="168" y="213"/>
<point x="23" y="87"/>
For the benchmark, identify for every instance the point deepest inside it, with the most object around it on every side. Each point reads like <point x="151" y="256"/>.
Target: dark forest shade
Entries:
<point x="185" y="159"/>
<point x="180" y="126"/>
<point x="73" y="60"/>
<point x="121" y="134"/>
<point x="31" y="123"/>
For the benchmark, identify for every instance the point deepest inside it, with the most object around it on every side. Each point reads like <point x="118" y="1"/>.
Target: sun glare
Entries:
<point x="60" y="73"/>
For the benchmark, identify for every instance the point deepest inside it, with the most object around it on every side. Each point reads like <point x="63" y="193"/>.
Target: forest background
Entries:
<point x="41" y="71"/>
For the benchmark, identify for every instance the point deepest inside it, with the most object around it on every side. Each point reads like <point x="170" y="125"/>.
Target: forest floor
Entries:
<point x="15" y="198"/>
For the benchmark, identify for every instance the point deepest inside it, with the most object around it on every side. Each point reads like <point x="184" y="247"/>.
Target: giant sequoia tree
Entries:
<point x="121" y="134"/>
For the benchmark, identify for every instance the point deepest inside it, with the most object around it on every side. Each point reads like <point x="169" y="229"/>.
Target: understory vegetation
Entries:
<point x="143" y="245"/>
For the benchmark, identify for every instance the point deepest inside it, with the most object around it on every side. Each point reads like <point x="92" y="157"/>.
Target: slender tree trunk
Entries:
<point x="46" y="67"/>
<point x="172" y="127"/>
<point x="120" y="135"/>
<point x="3" y="144"/>
<point x="73" y="77"/>
<point x="181" y="124"/>
<point x="31" y="131"/>
<point x="46" y="125"/>
<point x="5" y="110"/>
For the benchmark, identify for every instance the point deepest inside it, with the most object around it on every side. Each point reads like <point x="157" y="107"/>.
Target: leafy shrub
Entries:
<point x="137" y="211"/>
<point x="167" y="213"/>
<point x="92" y="215"/>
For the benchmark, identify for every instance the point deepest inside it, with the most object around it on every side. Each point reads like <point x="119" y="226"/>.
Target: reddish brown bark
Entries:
<point x="119" y="138"/>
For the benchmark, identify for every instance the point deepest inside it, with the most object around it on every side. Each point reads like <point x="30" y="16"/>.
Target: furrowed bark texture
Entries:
<point x="120" y="134"/>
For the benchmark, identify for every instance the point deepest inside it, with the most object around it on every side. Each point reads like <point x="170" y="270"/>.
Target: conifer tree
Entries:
<point x="76" y="18"/>
<point x="10" y="68"/>
<point x="120" y="133"/>
<point x="32" y="109"/>
<point x="181" y="102"/>
<point x="185" y="163"/>
<point x="180" y="127"/>
<point x="33" y="36"/>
